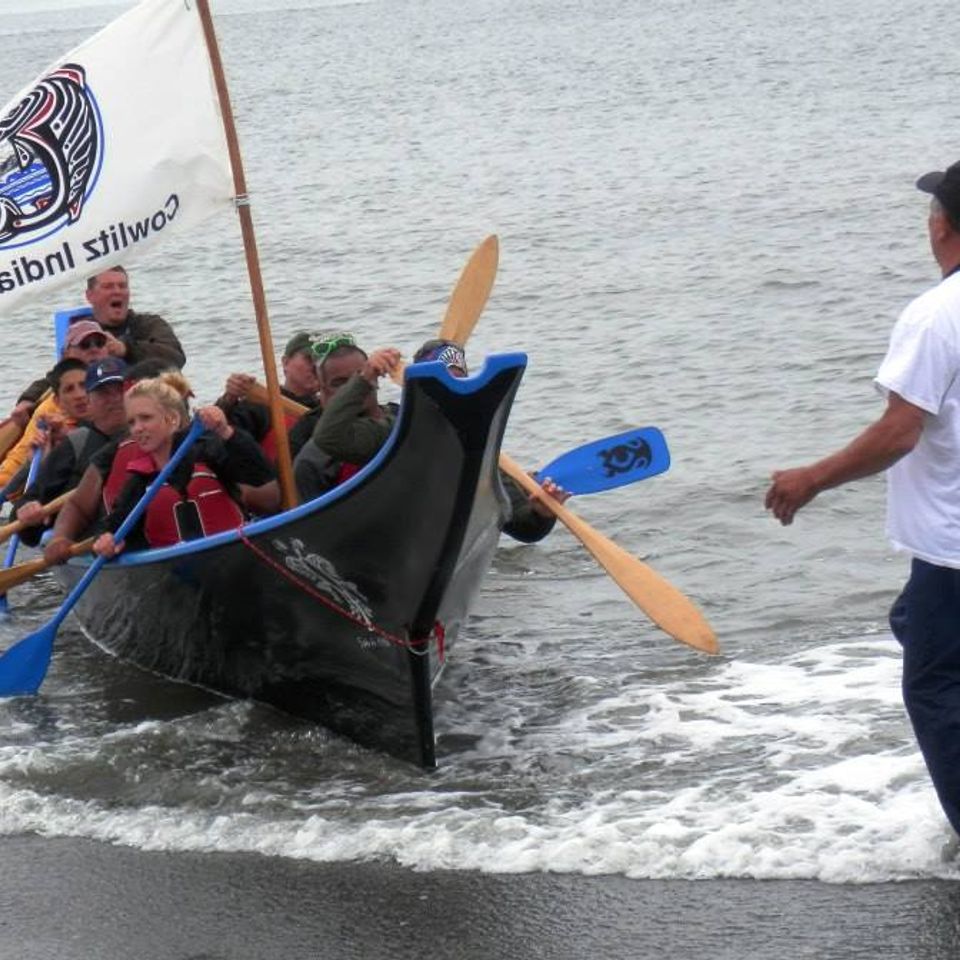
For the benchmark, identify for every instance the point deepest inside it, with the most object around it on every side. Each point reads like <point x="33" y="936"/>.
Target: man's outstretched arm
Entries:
<point x="878" y="447"/>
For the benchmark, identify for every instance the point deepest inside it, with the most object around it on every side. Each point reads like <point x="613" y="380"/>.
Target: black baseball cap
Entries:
<point x="107" y="370"/>
<point x="945" y="186"/>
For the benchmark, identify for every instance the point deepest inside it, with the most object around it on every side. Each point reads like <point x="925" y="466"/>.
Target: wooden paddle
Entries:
<point x="258" y="394"/>
<point x="471" y="292"/>
<point x="47" y="510"/>
<point x="469" y="297"/>
<point x="663" y="603"/>
<point x="22" y="572"/>
<point x="666" y="606"/>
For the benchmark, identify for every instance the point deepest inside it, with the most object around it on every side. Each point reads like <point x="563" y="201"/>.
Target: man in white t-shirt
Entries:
<point x="917" y="441"/>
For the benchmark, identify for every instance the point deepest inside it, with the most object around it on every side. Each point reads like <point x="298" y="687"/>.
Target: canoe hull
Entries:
<point x="342" y="610"/>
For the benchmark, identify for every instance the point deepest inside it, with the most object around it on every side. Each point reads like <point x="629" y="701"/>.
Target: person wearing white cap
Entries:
<point x="917" y="442"/>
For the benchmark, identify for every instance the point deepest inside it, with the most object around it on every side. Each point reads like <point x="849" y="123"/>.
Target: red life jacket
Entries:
<point x="172" y="517"/>
<point x="127" y="451"/>
<point x="269" y="442"/>
<point x="347" y="470"/>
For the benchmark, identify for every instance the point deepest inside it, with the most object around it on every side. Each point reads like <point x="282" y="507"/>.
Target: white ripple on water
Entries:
<point x="798" y="769"/>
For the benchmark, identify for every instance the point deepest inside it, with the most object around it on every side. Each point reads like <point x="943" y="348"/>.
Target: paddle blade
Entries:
<point x="470" y="295"/>
<point x="662" y="602"/>
<point x="24" y="666"/>
<point x="611" y="462"/>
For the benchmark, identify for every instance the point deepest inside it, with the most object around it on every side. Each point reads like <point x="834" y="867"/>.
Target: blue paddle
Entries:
<point x="15" y="484"/>
<point x="24" y="665"/>
<point x="611" y="462"/>
<point x="15" y="539"/>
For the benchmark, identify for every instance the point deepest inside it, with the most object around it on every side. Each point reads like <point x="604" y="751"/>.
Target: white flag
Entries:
<point x="117" y="145"/>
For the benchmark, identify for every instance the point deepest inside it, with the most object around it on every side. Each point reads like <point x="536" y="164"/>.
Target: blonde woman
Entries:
<point x="223" y="474"/>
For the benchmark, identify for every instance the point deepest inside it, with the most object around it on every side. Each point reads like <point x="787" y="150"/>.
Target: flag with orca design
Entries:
<point x="117" y="145"/>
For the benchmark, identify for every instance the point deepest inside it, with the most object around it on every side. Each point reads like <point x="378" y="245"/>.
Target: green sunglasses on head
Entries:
<point x="326" y="343"/>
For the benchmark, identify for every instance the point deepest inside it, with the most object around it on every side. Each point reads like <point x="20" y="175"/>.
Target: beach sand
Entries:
<point x="83" y="900"/>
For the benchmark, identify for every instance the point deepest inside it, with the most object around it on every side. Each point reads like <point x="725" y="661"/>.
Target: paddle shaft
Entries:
<point x="14" y="543"/>
<point x="258" y="394"/>
<point x="47" y="510"/>
<point x="666" y="606"/>
<point x="27" y="570"/>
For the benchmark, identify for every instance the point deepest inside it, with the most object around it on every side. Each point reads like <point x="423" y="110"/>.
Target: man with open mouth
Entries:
<point x="131" y="336"/>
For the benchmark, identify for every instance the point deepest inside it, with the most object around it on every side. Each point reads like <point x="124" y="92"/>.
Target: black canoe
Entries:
<point x="343" y="609"/>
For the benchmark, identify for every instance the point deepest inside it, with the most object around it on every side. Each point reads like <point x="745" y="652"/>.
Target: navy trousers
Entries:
<point x="926" y="620"/>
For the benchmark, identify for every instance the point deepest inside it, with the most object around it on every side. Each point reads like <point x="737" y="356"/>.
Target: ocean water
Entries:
<point x="707" y="223"/>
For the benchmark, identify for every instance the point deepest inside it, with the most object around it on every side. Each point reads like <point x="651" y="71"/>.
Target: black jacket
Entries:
<point x="61" y="471"/>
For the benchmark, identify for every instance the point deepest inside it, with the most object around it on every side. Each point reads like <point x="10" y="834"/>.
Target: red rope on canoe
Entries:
<point x="415" y="646"/>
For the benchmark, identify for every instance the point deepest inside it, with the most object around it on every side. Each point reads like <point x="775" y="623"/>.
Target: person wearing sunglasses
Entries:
<point x="349" y="404"/>
<point x="134" y="337"/>
<point x="85" y="341"/>
<point x="300" y="384"/>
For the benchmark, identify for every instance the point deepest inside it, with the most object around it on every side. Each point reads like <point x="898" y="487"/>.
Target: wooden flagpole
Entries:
<point x="277" y="421"/>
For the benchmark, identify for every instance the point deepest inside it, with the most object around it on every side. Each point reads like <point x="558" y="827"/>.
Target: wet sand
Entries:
<point x="82" y="900"/>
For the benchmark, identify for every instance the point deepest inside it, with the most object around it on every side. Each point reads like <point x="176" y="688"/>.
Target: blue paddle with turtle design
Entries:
<point x="611" y="462"/>
<point x="24" y="665"/>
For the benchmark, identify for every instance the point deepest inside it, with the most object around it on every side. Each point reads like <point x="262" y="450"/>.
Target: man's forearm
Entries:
<point x="876" y="449"/>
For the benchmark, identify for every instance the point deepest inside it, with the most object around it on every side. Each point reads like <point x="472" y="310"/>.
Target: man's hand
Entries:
<point x="30" y="513"/>
<point x="380" y="363"/>
<point x="791" y="490"/>
<point x="57" y="550"/>
<point x="22" y="412"/>
<point x="551" y="489"/>
<point x="115" y="347"/>
<point x="50" y="431"/>
<point x="215" y="420"/>
<point x="237" y="387"/>
<point x="57" y="428"/>
<point x="106" y="546"/>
